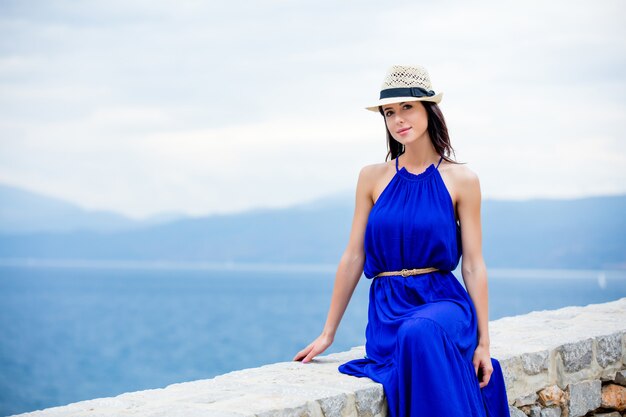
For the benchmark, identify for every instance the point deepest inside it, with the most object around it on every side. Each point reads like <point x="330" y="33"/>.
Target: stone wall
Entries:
<point x="568" y="362"/>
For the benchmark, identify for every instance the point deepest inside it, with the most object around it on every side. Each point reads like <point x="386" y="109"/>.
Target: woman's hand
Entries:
<point x="314" y="348"/>
<point x="482" y="365"/>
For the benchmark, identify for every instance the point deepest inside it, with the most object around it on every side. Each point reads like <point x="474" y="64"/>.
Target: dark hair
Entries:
<point x="437" y="130"/>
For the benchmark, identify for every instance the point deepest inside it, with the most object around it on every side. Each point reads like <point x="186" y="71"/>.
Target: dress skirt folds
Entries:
<point x="422" y="329"/>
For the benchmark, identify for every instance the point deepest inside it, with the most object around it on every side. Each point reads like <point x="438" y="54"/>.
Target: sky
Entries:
<point x="194" y="107"/>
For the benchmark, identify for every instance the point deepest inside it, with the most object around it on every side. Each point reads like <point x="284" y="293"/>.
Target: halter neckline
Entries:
<point x="411" y="176"/>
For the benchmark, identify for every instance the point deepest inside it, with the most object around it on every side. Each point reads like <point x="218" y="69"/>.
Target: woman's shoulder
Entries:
<point x="371" y="177"/>
<point x="375" y="170"/>
<point x="463" y="178"/>
<point x="459" y="172"/>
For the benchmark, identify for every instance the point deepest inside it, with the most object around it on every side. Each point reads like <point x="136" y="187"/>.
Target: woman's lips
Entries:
<point x="401" y="131"/>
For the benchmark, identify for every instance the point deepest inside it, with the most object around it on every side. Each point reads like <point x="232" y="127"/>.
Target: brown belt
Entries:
<point x="407" y="272"/>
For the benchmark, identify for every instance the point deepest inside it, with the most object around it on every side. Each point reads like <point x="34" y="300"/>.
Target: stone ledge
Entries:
<point x="537" y="350"/>
<point x="560" y="347"/>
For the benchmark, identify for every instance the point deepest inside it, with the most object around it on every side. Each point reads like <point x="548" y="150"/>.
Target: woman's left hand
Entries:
<point x="482" y="365"/>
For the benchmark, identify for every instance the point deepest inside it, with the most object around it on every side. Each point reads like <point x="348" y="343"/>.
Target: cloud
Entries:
<point x="209" y="107"/>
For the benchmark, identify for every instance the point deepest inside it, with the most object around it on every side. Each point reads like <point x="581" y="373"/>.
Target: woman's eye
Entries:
<point x="389" y="113"/>
<point x="407" y="106"/>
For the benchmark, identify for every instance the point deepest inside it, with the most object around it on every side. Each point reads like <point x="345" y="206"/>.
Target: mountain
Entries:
<point x="23" y="211"/>
<point x="570" y="233"/>
<point x="538" y="233"/>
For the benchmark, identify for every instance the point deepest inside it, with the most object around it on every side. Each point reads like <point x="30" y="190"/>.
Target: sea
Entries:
<point x="72" y="331"/>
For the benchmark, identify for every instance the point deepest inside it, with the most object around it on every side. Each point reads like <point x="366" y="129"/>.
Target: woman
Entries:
<point x="427" y="338"/>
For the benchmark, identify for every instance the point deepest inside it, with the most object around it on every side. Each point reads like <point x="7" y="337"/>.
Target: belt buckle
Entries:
<point x="405" y="272"/>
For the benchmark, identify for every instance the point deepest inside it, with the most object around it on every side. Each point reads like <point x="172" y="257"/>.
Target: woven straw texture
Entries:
<point x="400" y="76"/>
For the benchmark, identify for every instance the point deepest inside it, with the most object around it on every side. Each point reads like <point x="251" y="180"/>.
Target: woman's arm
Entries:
<point x="349" y="270"/>
<point x="473" y="264"/>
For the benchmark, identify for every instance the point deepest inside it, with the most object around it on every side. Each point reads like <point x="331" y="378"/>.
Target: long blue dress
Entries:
<point x="422" y="329"/>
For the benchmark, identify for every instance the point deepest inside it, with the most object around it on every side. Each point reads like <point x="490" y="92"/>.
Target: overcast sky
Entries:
<point x="144" y="107"/>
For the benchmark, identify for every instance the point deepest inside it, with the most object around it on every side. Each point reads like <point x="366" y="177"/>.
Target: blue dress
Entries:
<point x="422" y="329"/>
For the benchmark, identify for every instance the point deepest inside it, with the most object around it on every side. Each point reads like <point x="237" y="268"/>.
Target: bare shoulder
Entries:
<point x="374" y="177"/>
<point x="461" y="174"/>
<point x="462" y="182"/>
<point x="376" y="169"/>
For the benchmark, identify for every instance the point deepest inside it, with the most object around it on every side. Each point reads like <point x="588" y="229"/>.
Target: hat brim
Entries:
<point x="390" y="100"/>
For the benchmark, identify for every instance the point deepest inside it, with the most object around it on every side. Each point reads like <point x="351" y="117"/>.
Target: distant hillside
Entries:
<point x="23" y="211"/>
<point x="575" y="233"/>
<point x="539" y="233"/>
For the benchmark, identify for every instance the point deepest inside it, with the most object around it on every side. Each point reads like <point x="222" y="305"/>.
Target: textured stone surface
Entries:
<point x="567" y="338"/>
<point x="551" y="412"/>
<point x="549" y="396"/>
<point x="620" y="377"/>
<point x="609" y="349"/>
<point x="576" y="355"/>
<point x="536" y="362"/>
<point x="534" y="411"/>
<point x="583" y="397"/>
<point x="548" y="329"/>
<point x="525" y="400"/>
<point x="541" y="354"/>
<point x="614" y="396"/>
<point x="516" y="412"/>
<point x="371" y="401"/>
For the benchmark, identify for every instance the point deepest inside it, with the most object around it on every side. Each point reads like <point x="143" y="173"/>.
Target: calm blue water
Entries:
<point x="77" y="333"/>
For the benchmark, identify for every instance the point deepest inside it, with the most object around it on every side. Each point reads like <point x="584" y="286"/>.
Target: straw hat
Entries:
<point x="406" y="83"/>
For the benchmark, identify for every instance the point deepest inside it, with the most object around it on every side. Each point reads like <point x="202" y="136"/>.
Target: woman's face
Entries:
<point x="407" y="121"/>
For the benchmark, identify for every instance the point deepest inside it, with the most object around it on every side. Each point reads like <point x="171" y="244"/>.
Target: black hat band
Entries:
<point x="406" y="92"/>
